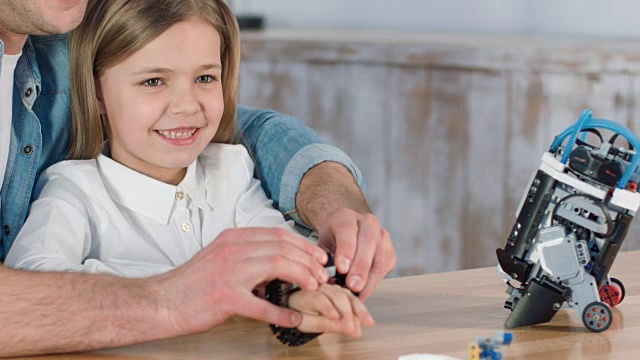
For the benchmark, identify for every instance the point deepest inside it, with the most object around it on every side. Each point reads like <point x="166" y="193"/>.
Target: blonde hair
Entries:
<point x="112" y="30"/>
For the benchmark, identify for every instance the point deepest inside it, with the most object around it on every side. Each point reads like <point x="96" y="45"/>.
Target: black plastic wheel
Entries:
<point x="618" y="283"/>
<point x="597" y="317"/>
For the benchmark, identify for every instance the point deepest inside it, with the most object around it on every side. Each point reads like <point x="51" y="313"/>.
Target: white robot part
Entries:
<point x="557" y="252"/>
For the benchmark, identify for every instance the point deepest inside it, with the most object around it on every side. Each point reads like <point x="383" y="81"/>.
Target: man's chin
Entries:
<point x="69" y="17"/>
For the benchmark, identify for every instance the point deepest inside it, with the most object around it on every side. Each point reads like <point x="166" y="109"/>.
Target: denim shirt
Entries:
<point x="283" y="148"/>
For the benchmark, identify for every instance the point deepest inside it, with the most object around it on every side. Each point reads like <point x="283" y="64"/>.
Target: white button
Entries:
<point x="185" y="227"/>
<point x="179" y="195"/>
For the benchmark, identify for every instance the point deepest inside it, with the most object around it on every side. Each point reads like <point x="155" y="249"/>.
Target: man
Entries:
<point x="62" y="312"/>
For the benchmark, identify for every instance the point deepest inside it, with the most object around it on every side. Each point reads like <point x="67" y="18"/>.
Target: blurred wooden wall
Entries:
<point x="447" y="129"/>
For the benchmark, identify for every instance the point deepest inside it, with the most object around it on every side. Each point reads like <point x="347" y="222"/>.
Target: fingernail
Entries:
<point x="296" y="318"/>
<point x="370" y="321"/>
<point x="323" y="276"/>
<point x="354" y="282"/>
<point x="344" y="265"/>
<point x="321" y="256"/>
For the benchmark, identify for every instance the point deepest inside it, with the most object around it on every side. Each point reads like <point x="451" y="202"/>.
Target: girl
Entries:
<point x="157" y="79"/>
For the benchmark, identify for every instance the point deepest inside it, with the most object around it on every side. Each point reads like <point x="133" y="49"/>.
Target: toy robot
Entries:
<point x="570" y="225"/>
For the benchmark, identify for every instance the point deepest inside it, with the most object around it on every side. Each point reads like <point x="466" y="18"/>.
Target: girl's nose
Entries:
<point x="185" y="103"/>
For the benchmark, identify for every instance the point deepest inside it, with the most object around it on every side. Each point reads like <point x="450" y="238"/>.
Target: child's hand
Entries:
<point x="331" y="308"/>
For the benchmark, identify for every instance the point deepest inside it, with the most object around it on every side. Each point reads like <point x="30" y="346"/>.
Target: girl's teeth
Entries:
<point x="177" y="134"/>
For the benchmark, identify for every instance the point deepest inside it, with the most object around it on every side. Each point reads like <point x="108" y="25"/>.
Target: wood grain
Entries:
<point x="434" y="314"/>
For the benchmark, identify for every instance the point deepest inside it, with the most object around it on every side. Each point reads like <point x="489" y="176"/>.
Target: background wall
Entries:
<point x="445" y="106"/>
<point x="576" y="17"/>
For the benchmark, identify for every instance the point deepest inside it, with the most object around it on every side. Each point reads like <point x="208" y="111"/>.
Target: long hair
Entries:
<point x="112" y="30"/>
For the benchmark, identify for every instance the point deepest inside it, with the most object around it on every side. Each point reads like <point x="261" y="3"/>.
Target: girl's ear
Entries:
<point x="101" y="107"/>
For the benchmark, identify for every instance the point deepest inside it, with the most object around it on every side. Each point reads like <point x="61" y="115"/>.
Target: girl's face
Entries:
<point x="164" y="103"/>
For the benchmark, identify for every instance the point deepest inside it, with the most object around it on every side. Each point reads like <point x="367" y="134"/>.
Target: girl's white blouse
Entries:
<point x="100" y="216"/>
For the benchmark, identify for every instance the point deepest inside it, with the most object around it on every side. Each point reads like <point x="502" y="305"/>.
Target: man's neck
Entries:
<point x="13" y="43"/>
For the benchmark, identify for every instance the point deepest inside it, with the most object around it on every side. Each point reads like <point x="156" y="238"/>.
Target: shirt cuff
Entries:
<point x="308" y="157"/>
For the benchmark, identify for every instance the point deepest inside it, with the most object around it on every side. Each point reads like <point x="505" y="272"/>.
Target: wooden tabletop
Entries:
<point x="429" y="314"/>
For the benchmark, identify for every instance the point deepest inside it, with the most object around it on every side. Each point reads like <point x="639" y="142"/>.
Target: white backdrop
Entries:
<point x="619" y="18"/>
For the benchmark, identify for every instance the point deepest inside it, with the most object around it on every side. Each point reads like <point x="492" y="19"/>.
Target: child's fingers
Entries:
<point x="358" y="309"/>
<point x="320" y="324"/>
<point x="331" y="308"/>
<point x="316" y="324"/>
<point x="361" y="312"/>
<point x="340" y="299"/>
<point x="313" y="303"/>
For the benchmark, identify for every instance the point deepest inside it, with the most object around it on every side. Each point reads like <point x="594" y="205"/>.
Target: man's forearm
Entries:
<point x="325" y="188"/>
<point x="63" y="312"/>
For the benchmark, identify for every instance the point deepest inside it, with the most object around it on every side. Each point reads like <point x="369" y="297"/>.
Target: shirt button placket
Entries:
<point x="185" y="225"/>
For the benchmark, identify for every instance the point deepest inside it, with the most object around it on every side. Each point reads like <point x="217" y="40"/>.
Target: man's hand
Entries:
<point x="218" y="282"/>
<point x="362" y="249"/>
<point x="330" y="200"/>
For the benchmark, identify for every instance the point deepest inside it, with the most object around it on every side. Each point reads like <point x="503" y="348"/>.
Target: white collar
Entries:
<point x="148" y="196"/>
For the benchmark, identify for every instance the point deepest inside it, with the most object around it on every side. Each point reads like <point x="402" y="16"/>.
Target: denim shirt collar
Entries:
<point x="27" y="75"/>
<point x="40" y="128"/>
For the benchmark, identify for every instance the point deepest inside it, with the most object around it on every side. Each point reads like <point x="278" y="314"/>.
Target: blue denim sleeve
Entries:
<point x="284" y="149"/>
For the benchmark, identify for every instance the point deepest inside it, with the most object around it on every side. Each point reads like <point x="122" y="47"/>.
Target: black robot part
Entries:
<point x="540" y="301"/>
<point x="610" y="250"/>
<point x="511" y="259"/>
<point x="607" y="170"/>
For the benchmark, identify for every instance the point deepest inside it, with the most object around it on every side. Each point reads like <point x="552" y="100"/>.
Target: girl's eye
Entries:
<point x="152" y="82"/>
<point x="205" y="79"/>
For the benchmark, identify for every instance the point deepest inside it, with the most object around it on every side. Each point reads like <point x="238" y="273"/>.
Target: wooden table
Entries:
<point x="435" y="314"/>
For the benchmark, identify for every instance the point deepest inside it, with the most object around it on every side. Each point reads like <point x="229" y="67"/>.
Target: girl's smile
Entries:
<point x="179" y="136"/>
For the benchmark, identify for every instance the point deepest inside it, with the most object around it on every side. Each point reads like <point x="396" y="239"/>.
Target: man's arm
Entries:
<point x="330" y="200"/>
<point x="319" y="186"/>
<point x="44" y="313"/>
<point x="326" y="188"/>
<point x="284" y="149"/>
<point x="61" y="312"/>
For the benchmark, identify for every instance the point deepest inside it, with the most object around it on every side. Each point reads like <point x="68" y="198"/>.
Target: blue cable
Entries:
<point x="586" y="122"/>
<point x="587" y="114"/>
<point x="610" y="125"/>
